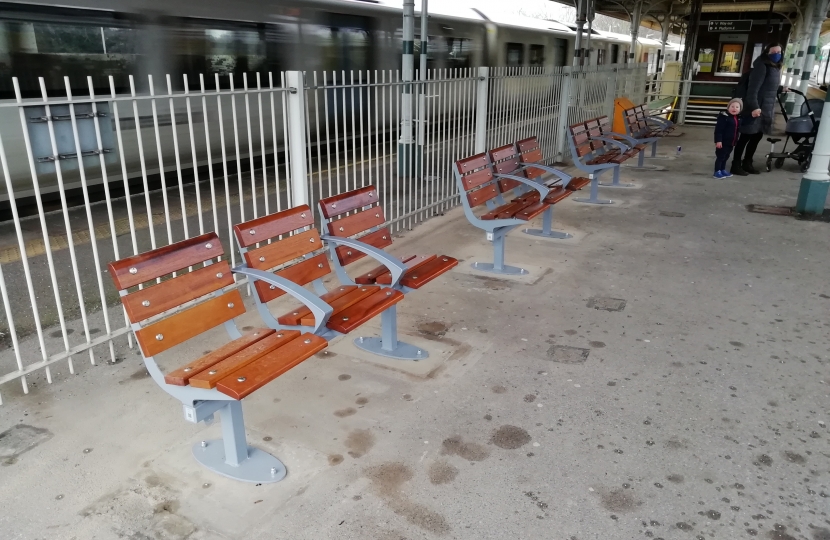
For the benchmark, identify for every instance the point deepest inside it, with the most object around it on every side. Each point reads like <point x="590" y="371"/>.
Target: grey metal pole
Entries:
<point x="580" y="24"/>
<point x="591" y="15"/>
<point x="810" y="59"/>
<point x="636" y="15"/>
<point x="297" y="136"/>
<point x="407" y="65"/>
<point x="480" y="144"/>
<point x="664" y="38"/>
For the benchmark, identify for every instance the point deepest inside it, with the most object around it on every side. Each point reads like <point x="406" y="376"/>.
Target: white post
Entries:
<point x="481" y="109"/>
<point x="810" y="61"/>
<point x="296" y="136"/>
<point x="611" y="92"/>
<point x="405" y="157"/>
<point x="812" y="193"/>
<point x="564" y="113"/>
<point x="423" y="75"/>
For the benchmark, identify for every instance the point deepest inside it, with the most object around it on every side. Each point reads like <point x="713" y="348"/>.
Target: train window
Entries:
<point x="537" y="55"/>
<point x="345" y="42"/>
<point x="729" y="61"/>
<point x="515" y="54"/>
<point x="601" y="56"/>
<point x="459" y="52"/>
<point x="615" y="53"/>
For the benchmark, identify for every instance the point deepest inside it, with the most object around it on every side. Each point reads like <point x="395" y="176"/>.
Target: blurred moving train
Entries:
<point x="119" y="38"/>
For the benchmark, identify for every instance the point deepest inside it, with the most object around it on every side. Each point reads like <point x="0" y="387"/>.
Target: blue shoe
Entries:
<point x="718" y="175"/>
<point x="726" y="174"/>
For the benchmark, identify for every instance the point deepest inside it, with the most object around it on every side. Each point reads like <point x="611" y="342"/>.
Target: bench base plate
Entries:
<point x="506" y="269"/>
<point x="617" y="185"/>
<point x="644" y="167"/>
<point x="586" y="200"/>
<point x="403" y="351"/>
<point x="559" y="235"/>
<point x="260" y="467"/>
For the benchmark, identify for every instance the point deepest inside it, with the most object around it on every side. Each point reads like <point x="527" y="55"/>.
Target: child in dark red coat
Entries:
<point x="726" y="135"/>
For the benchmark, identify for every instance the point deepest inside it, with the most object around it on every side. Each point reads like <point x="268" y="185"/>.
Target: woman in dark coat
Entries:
<point x="759" y="107"/>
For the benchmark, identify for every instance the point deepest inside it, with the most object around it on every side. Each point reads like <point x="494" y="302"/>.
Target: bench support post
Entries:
<point x="615" y="182"/>
<point x="547" y="230"/>
<point x="594" y="198"/>
<point x="387" y="344"/>
<point x="498" y="266"/>
<point x="232" y="457"/>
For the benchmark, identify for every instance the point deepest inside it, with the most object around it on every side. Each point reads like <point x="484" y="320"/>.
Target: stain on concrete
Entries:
<point x="596" y="344"/>
<point x="571" y="332"/>
<point x="499" y="389"/>
<point x="675" y="478"/>
<point x="441" y="472"/>
<point x="779" y="533"/>
<point x="335" y="459"/>
<point x="736" y="343"/>
<point x="325" y="354"/>
<point x="792" y="457"/>
<point x="455" y="446"/>
<point x="59" y="333"/>
<point x="656" y="235"/>
<point x="342" y="413"/>
<point x="563" y="354"/>
<point x="618" y="500"/>
<point x="764" y="459"/>
<point x="18" y="440"/>
<point x="387" y="480"/>
<point x="820" y="533"/>
<point x="361" y="401"/>
<point x="530" y="398"/>
<point x="510" y="437"/>
<point x="139" y="375"/>
<point x="664" y="213"/>
<point x="433" y="329"/>
<point x="344" y="377"/>
<point x="359" y="442"/>
<point x="683" y="526"/>
<point x="676" y="444"/>
<point x="606" y="303"/>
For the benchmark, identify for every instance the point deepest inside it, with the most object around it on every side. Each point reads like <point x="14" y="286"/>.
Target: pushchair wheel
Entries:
<point x="779" y="162"/>
<point x="769" y="164"/>
<point x="805" y="165"/>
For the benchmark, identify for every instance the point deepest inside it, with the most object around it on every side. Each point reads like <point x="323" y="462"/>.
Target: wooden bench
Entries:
<point x="595" y="152"/>
<point x="507" y="160"/>
<point x="185" y="304"/>
<point x="283" y="252"/>
<point x="660" y="126"/>
<point x="639" y="130"/>
<point x="532" y="159"/>
<point x="478" y="185"/>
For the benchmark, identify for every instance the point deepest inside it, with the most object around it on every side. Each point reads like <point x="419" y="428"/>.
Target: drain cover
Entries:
<point x="606" y="304"/>
<point x="774" y="210"/>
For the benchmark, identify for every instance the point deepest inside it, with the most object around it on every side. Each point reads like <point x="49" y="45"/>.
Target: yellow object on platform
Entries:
<point x="621" y="104"/>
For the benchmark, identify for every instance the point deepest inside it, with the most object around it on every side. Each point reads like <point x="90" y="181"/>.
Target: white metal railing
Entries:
<point x="117" y="173"/>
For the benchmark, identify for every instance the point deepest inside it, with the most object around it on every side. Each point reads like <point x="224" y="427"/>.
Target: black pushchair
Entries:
<point x="801" y="129"/>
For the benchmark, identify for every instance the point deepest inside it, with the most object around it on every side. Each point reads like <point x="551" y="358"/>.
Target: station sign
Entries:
<point x="730" y="26"/>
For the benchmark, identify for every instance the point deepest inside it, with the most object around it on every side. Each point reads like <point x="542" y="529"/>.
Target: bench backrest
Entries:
<point x="172" y="276"/>
<point x="635" y="121"/>
<point x="506" y="160"/>
<point x="299" y="258"/>
<point x="531" y="152"/>
<point x="476" y="180"/>
<point x="582" y="144"/>
<point x="356" y="214"/>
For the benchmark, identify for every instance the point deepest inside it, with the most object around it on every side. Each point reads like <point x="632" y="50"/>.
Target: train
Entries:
<point x="111" y="40"/>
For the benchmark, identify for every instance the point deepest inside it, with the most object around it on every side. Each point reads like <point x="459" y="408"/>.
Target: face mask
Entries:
<point x="775" y="57"/>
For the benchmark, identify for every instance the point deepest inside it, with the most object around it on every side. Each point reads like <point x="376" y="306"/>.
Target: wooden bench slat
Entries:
<point x="301" y="273"/>
<point x="296" y="315"/>
<point x="380" y="239"/>
<point x="360" y="312"/>
<point x="357" y="223"/>
<point x="181" y="376"/>
<point x="411" y="264"/>
<point x="175" y="292"/>
<point x="189" y="323"/>
<point x="481" y="196"/>
<point x="507" y="166"/>
<point x="343" y="302"/>
<point x="531" y="211"/>
<point x="368" y="278"/>
<point x="164" y="260"/>
<point x="278" y="252"/>
<point x="506" y="184"/>
<point x="502" y="152"/>
<point x="346" y="202"/>
<point x="526" y="145"/>
<point x="577" y="183"/>
<point x="471" y="163"/>
<point x="427" y="272"/>
<point x="473" y="180"/>
<point x="276" y="224"/>
<point x="208" y="378"/>
<point x="264" y="370"/>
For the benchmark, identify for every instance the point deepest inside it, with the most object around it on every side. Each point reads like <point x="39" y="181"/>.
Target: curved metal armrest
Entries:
<point x="564" y="176"/>
<point x="623" y="147"/>
<point x="395" y="266"/>
<point x="659" y="121"/>
<point x="543" y="191"/>
<point x="321" y="310"/>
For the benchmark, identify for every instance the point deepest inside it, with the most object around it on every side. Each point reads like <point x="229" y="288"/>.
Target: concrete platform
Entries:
<point x="669" y="377"/>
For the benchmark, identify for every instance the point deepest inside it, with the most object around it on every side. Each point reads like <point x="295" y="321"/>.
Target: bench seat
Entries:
<point x="577" y="183"/>
<point x="354" y="302"/>
<point x="555" y="195"/>
<point x="524" y="210"/>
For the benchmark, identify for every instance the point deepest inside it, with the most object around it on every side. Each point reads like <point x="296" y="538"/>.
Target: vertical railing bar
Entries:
<point x="385" y="187"/>
<point x="67" y="226"/>
<point x="286" y="142"/>
<point x="161" y="162"/>
<point x="175" y="130"/>
<point x="211" y="178"/>
<point x="309" y="169"/>
<point x="262" y="145"/>
<point x="373" y="165"/>
<point x="345" y="131"/>
<point x="336" y="115"/>
<point x="250" y="145"/>
<point x="191" y="133"/>
<point x="274" y="142"/>
<point x="93" y="241"/>
<point x="319" y="143"/>
<point x="240" y="187"/>
<point x="328" y="135"/>
<point x="107" y="197"/>
<point x="141" y="159"/>
<point x="225" y="165"/>
<point x="398" y="138"/>
<point x="353" y="130"/>
<point x="360" y="119"/>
